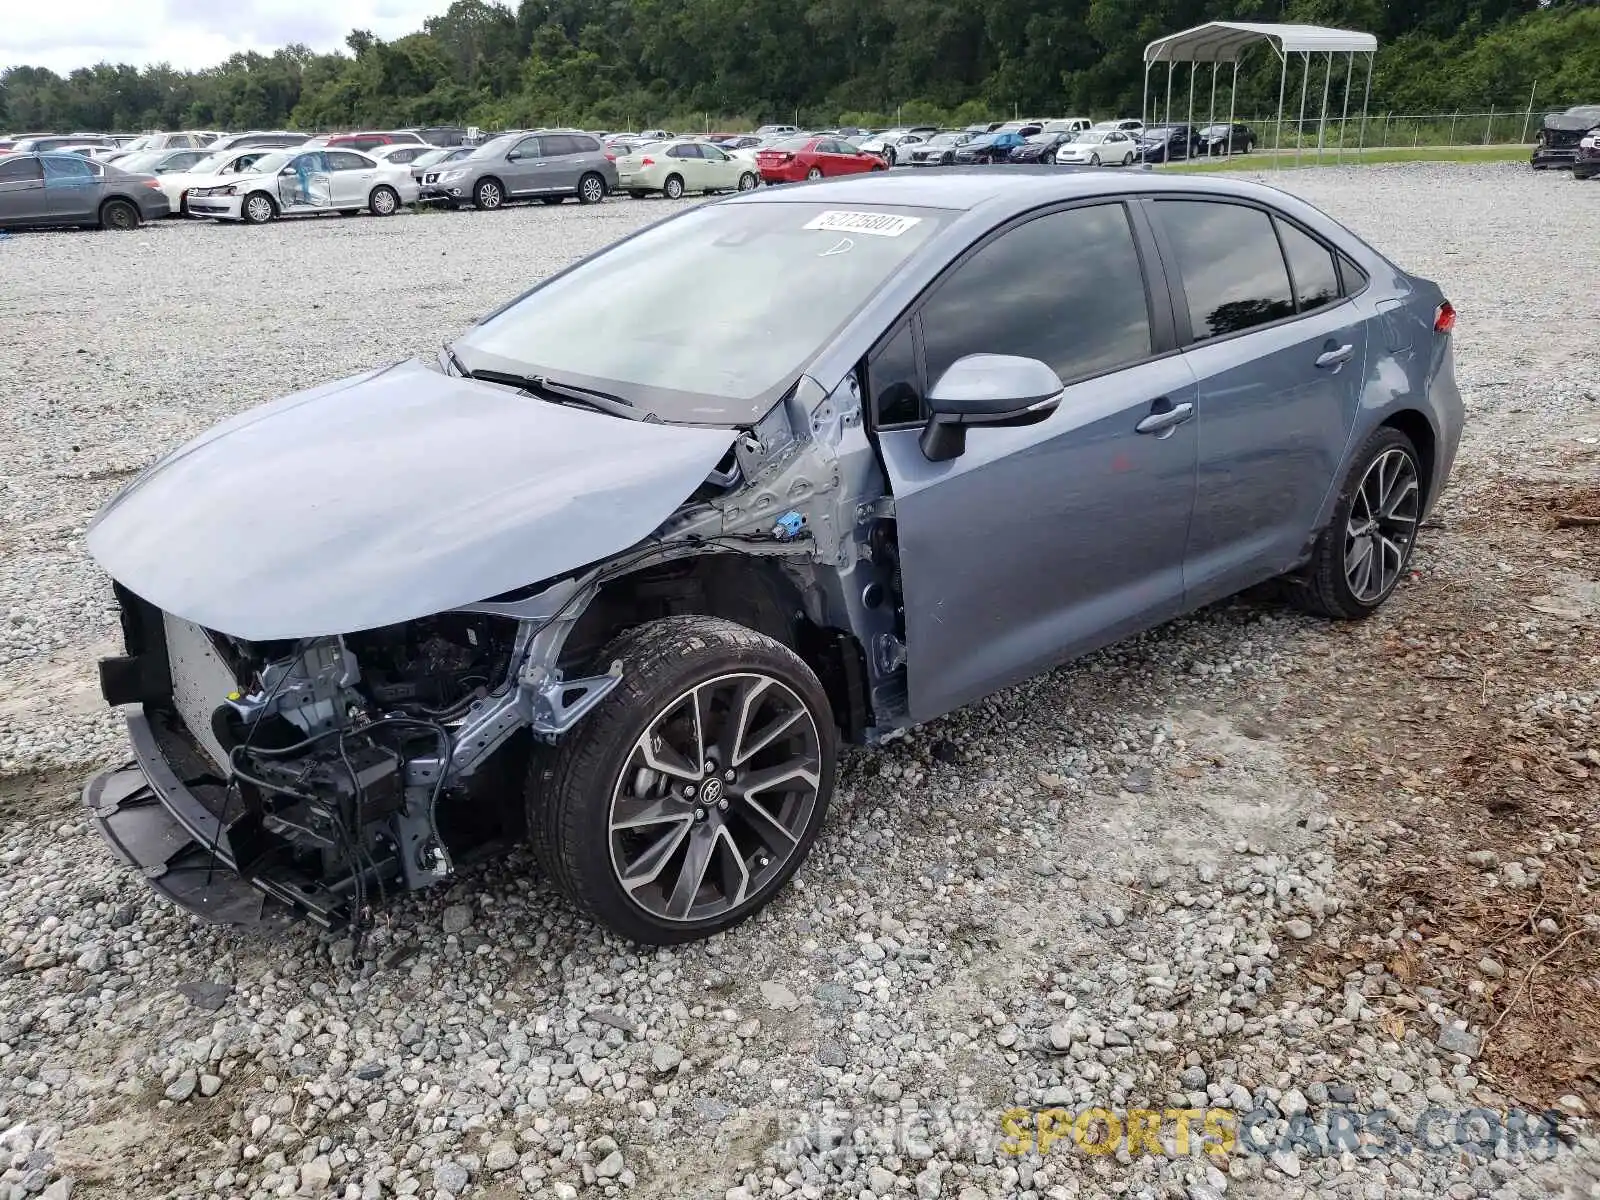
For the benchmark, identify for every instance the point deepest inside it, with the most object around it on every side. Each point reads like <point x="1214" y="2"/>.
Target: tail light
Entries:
<point x="610" y="157"/>
<point x="153" y="183"/>
<point x="1444" y="318"/>
<point x="647" y="162"/>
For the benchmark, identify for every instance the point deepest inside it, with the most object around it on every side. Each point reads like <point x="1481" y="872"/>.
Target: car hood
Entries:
<point x="1579" y="122"/>
<point x="387" y="497"/>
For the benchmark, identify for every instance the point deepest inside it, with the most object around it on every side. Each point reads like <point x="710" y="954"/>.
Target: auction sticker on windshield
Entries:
<point x="880" y="224"/>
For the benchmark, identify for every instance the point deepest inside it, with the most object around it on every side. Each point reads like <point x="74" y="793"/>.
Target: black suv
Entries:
<point x="1557" y="144"/>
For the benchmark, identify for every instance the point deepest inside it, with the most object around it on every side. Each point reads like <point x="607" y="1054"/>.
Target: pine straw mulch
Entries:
<point x="1433" y="745"/>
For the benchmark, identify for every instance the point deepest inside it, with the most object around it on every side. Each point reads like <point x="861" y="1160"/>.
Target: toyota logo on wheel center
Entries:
<point x="711" y="791"/>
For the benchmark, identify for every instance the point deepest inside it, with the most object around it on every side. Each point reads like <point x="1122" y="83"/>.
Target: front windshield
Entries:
<point x="1094" y="136"/>
<point x="496" y="146"/>
<point x="428" y="157"/>
<point x="211" y="163"/>
<point x="276" y="161"/>
<point x="143" y="143"/>
<point x="773" y="283"/>
<point x="945" y="139"/>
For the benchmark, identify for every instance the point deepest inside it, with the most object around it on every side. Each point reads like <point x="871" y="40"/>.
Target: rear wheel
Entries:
<point x="814" y="173"/>
<point x="672" y="189"/>
<point x="1362" y="554"/>
<point x="748" y="181"/>
<point x="688" y="798"/>
<point x="591" y="189"/>
<point x="1127" y="159"/>
<point x="119" y="215"/>
<point x="384" y="201"/>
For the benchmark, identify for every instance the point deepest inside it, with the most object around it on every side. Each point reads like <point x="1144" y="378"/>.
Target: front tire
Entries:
<point x="384" y="201"/>
<point x="1094" y="160"/>
<point x="683" y="804"/>
<point x="672" y="188"/>
<point x="748" y="181"/>
<point x="488" y="195"/>
<point x="814" y="173"/>
<point x="1361" y="556"/>
<point x="591" y="189"/>
<point x="119" y="215"/>
<point x="258" y="208"/>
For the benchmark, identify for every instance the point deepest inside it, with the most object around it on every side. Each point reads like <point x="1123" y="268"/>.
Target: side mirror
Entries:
<point x="986" y="389"/>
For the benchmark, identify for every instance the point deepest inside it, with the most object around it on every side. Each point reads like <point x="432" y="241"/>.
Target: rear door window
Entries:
<point x="1230" y="268"/>
<point x="340" y="160"/>
<point x="67" y="167"/>
<point x="1312" y="266"/>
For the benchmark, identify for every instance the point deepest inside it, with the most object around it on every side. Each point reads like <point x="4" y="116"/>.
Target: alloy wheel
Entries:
<point x="594" y="190"/>
<point x="714" y="798"/>
<point x="1382" y="525"/>
<point x="747" y="182"/>
<point x="383" y="202"/>
<point x="488" y="195"/>
<point x="258" y="209"/>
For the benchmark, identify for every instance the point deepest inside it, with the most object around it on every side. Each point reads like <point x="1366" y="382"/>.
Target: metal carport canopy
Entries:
<point x="1225" y="41"/>
<point x="1218" y="42"/>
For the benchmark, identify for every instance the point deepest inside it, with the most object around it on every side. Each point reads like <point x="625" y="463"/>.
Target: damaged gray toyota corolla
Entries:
<point x="621" y="570"/>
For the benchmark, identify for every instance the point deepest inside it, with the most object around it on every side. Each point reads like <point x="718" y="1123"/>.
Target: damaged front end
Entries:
<point x="279" y="778"/>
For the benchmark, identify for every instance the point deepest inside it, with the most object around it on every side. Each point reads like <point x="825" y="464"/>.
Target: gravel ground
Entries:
<point x="1119" y="885"/>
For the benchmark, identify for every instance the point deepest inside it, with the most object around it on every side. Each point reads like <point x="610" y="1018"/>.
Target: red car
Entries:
<point x="814" y="158"/>
<point x="371" y="141"/>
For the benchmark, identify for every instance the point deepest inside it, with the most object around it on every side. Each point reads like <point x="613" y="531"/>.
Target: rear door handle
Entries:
<point x="1167" y="419"/>
<point x="1336" y="357"/>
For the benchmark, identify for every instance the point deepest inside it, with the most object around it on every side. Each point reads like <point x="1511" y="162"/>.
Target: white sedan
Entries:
<point x="1097" y="147"/>
<point x="228" y="163"/>
<point x="299" y="183"/>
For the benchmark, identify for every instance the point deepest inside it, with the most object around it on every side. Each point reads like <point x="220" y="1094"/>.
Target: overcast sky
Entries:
<point x="189" y="33"/>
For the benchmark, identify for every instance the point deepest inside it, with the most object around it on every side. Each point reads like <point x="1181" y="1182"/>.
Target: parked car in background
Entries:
<point x="659" y="511"/>
<point x="777" y="131"/>
<point x="939" y="150"/>
<point x="440" y="135"/>
<point x="1560" y="133"/>
<point x="1167" y="143"/>
<point x="1072" y="125"/>
<point x="300" y="183"/>
<point x="1227" y="139"/>
<point x="401" y="153"/>
<point x="656" y="135"/>
<point x="891" y="143"/>
<point x="68" y="189"/>
<point x="803" y="158"/>
<point x="1040" y="148"/>
<point x="42" y="143"/>
<point x="1026" y="128"/>
<point x="371" y="140"/>
<point x="989" y="147"/>
<point x="1587" y="163"/>
<point x="1099" y="147"/>
<point x="673" y="168"/>
<point x="1125" y="124"/>
<point x="546" y="166"/>
<point x="188" y="139"/>
<point x="158" y="162"/>
<point x="267" y="139"/>
<point x="435" y="159"/>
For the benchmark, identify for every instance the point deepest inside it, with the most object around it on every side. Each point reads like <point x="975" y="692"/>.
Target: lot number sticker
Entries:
<point x="878" y="224"/>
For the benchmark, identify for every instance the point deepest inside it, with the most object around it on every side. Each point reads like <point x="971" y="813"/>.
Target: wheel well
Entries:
<point x="271" y="199"/>
<point x="754" y="593"/>
<point x="110" y="200"/>
<point x="1416" y="427"/>
<point x="671" y="176"/>
<point x="494" y="179"/>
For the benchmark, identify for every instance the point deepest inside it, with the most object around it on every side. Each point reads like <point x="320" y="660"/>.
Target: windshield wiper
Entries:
<point x="563" y="393"/>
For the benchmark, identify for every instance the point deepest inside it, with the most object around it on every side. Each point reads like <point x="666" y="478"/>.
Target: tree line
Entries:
<point x="634" y="63"/>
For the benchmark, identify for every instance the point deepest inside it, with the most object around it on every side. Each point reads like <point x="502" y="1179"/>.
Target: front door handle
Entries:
<point x="1336" y="357"/>
<point x="1167" y="419"/>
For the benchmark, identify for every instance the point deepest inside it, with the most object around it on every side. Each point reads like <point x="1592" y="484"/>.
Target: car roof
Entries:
<point x="1006" y="189"/>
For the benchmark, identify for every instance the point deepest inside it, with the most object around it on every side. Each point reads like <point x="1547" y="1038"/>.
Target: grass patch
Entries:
<point x="1265" y="160"/>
